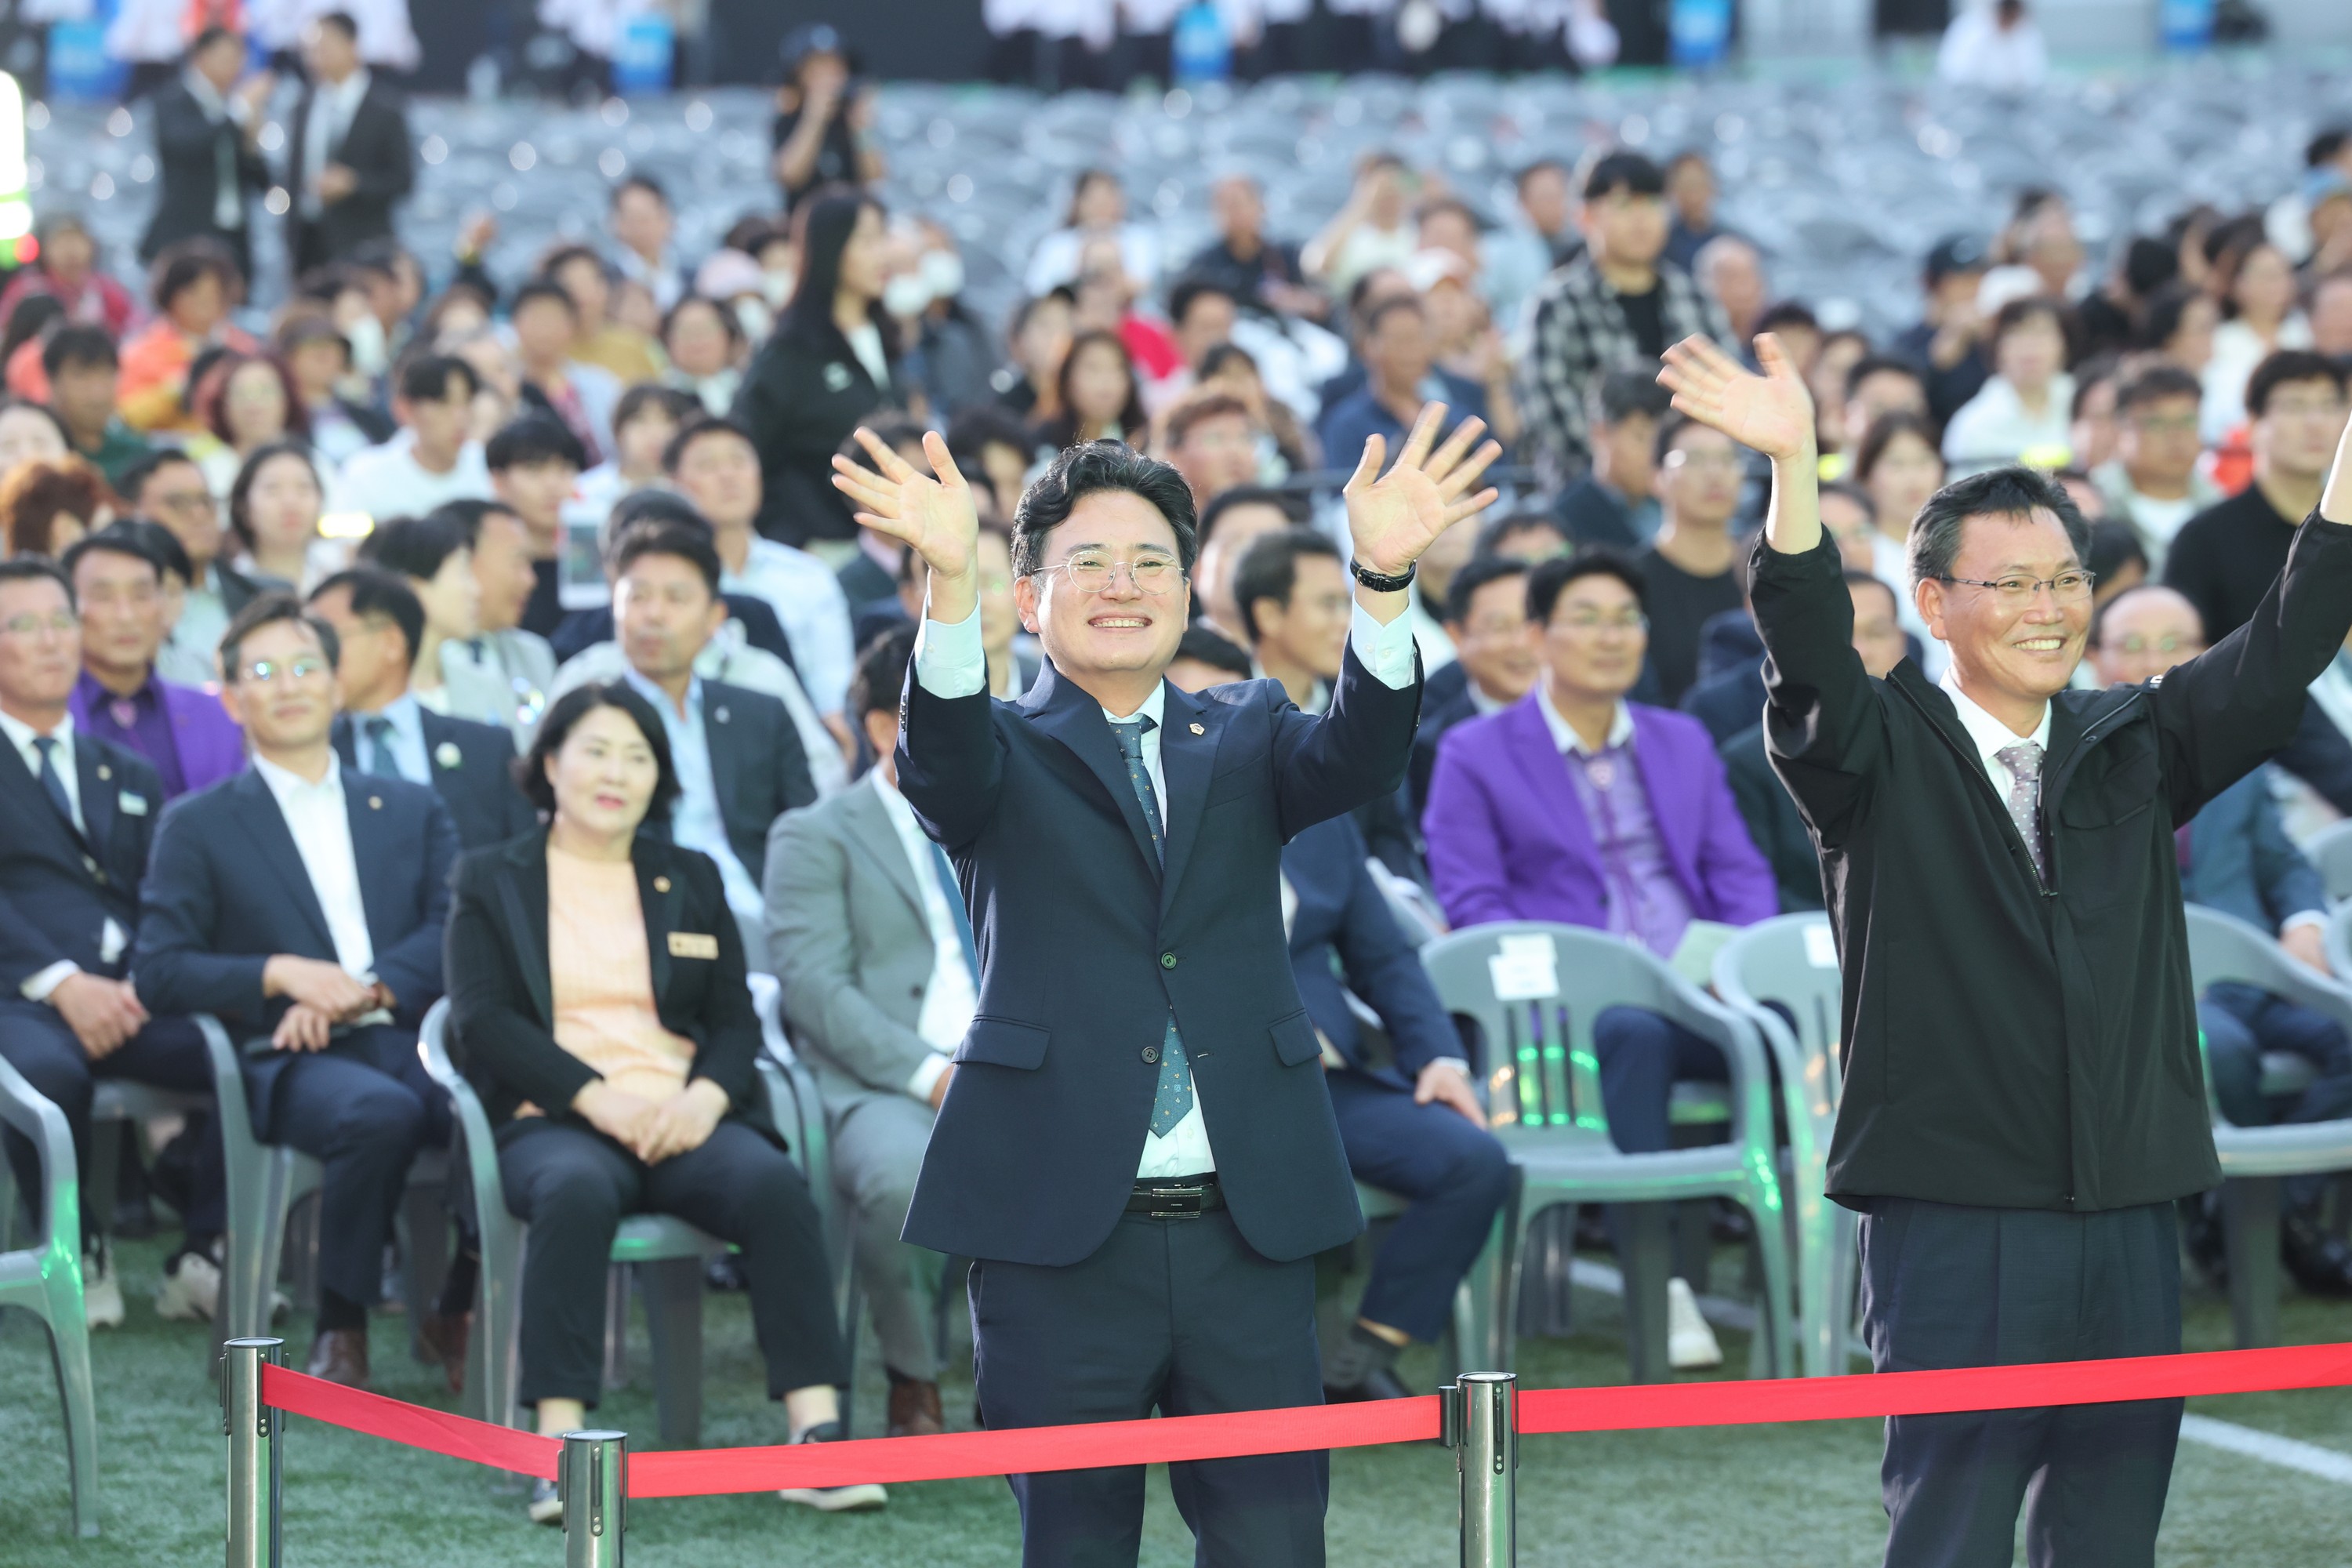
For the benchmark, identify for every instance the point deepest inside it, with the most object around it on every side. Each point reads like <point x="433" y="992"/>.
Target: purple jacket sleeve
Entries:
<point x="1463" y="829"/>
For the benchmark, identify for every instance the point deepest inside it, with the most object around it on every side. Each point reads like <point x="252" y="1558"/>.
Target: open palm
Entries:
<point x="1772" y="413"/>
<point x="932" y="514"/>
<point x="1394" y="517"/>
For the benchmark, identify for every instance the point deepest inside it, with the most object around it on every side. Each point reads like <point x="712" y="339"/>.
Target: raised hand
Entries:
<point x="1773" y="412"/>
<point x="932" y="514"/>
<point x="1394" y="517"/>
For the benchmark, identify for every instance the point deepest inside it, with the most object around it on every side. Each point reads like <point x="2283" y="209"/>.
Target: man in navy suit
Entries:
<point x="1136" y="1143"/>
<point x="383" y="731"/>
<point x="76" y="815"/>
<point x="2235" y="857"/>
<point x="302" y="902"/>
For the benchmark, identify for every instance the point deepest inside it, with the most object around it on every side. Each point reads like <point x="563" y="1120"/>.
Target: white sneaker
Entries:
<point x="1690" y="1344"/>
<point x="857" y="1499"/>
<point x="190" y="1292"/>
<point x="101" y="1297"/>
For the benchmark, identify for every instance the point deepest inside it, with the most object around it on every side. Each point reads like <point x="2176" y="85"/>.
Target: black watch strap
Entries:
<point x="1379" y="583"/>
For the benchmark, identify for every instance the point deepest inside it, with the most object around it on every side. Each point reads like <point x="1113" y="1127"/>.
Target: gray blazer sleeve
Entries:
<point x="814" y="950"/>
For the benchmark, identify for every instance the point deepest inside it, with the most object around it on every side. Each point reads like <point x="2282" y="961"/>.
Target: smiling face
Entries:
<point x="2146" y="632"/>
<point x="26" y="434"/>
<point x="122" y="608"/>
<point x="1594" y="642"/>
<point x="603" y="774"/>
<point x="1118" y="628"/>
<point x="283" y="687"/>
<point x="719" y="473"/>
<point x="2024" y="651"/>
<point x="40" y="646"/>
<point x="1493" y="642"/>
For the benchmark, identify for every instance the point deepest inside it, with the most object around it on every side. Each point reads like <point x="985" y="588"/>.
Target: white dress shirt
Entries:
<point x="950" y="661"/>
<point x="387" y="480"/>
<point x="1565" y="739"/>
<point x="112" y="939"/>
<point x="320" y="822"/>
<point x="696" y="821"/>
<point x="331" y="108"/>
<point x="952" y="995"/>
<point x="808" y="600"/>
<point x="1992" y="735"/>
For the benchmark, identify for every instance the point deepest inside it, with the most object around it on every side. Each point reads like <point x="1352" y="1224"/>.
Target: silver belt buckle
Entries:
<point x="1198" y="1194"/>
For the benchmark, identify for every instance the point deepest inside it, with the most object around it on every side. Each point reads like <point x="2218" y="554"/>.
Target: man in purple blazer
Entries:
<point x="1577" y="806"/>
<point x="184" y="732"/>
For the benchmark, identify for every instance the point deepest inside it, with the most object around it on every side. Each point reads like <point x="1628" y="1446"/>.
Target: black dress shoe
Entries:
<point x="2320" y="1263"/>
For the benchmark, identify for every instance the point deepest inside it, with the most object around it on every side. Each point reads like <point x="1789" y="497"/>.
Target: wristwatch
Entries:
<point x="1380" y="584"/>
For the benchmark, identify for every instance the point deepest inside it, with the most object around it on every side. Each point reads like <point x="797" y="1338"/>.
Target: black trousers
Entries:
<point x="362" y="1108"/>
<point x="167" y="1054"/>
<point x="1946" y="1286"/>
<point x="1175" y="1315"/>
<point x="572" y="1185"/>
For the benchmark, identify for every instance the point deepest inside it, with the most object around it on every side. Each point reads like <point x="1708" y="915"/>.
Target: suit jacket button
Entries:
<point x="1150" y="1054"/>
<point x="1167" y="961"/>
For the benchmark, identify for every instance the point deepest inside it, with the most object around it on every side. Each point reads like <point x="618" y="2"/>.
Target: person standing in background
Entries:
<point x="349" y="158"/>
<point x="208" y="159"/>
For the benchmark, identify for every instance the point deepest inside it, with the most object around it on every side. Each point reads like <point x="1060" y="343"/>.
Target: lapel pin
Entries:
<point x="376" y="802"/>
<point x="104" y="772"/>
<point x="447" y="755"/>
<point x="1197" y="729"/>
<point x="661" y="884"/>
<point x="720" y="714"/>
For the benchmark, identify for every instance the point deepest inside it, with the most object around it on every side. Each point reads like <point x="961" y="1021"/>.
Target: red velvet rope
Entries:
<point x="709" y="1471"/>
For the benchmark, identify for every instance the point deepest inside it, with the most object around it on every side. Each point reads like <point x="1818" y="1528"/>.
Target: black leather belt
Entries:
<point x="1176" y="1197"/>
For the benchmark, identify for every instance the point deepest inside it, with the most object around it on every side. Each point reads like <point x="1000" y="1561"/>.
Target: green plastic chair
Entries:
<point x="265" y="1181"/>
<point x="45" y="1279"/>
<point x="1534" y="989"/>
<point x="1792" y="959"/>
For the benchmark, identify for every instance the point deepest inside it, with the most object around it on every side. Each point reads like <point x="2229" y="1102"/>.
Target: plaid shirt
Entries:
<point x="1572" y="332"/>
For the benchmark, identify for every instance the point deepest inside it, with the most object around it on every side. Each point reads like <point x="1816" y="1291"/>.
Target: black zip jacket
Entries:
<point x="2007" y="1045"/>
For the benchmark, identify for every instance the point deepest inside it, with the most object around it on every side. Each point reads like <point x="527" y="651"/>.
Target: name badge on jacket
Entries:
<point x="693" y="944"/>
<point x="836" y="378"/>
<point x="131" y="804"/>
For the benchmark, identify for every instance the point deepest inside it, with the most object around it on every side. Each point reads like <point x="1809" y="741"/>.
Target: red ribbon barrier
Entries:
<point x="709" y="1471"/>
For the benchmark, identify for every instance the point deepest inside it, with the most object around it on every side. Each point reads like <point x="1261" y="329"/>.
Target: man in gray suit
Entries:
<point x="870" y="937"/>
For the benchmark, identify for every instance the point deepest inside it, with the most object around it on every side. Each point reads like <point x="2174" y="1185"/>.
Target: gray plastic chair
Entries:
<point x="1791" y="960"/>
<point x="45" y="1279"/>
<point x="2254" y="1158"/>
<point x="2330" y="850"/>
<point x="665" y="1254"/>
<point x="1544" y="1089"/>
<point x="264" y="1180"/>
<point x="1416" y="911"/>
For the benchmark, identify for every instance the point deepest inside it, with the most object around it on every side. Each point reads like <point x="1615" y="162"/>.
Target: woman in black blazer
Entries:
<point x="599" y="1004"/>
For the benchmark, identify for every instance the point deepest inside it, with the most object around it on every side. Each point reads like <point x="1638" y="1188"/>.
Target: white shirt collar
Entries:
<point x="1155" y="708"/>
<point x="1990" y="734"/>
<point x="1565" y="738"/>
<point x="210" y="99"/>
<point x="346" y="94"/>
<point x="22" y="735"/>
<point x="283" y="781"/>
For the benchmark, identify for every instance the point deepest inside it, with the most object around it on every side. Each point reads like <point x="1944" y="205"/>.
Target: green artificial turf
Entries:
<point x="1799" y="1494"/>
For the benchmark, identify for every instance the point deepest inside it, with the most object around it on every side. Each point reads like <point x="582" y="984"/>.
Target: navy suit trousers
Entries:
<point x="2240" y="1023"/>
<point x="1177" y="1315"/>
<point x="1455" y="1177"/>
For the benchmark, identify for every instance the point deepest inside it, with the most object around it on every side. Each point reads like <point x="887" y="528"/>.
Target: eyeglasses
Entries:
<point x="2167" y="424"/>
<point x="2306" y="407"/>
<point x="1586" y="621"/>
<point x="1706" y="462"/>
<point x="180" y="500"/>
<point x="2136" y="645"/>
<point x="1091" y="573"/>
<point x="31" y="627"/>
<point x="262" y="671"/>
<point x="2067" y="587"/>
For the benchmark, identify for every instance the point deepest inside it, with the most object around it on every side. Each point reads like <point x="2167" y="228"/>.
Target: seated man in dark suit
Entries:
<point x="75" y="815"/>
<point x="1616" y="503"/>
<point x="1486" y="616"/>
<point x="385" y="731"/>
<point x="303" y="904"/>
<point x="1764" y="804"/>
<point x="121" y="589"/>
<point x="740" y="761"/>
<point x="2235" y="857"/>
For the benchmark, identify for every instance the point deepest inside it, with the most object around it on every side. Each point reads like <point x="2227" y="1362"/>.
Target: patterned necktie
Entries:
<point x="1174" y="1099"/>
<point x="381" y="761"/>
<point x="52" y="785"/>
<point x="2023" y="761"/>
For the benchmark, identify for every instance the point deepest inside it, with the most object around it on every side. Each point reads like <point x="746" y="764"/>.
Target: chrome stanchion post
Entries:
<point x="252" y="1429"/>
<point x="1479" y="1417"/>
<point x="591" y="1477"/>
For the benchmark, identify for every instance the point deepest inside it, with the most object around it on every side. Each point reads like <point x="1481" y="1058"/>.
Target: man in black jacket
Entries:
<point x="206" y="153"/>
<point x="2022" y="1096"/>
<point x="348" y="157"/>
<point x="1118" y="842"/>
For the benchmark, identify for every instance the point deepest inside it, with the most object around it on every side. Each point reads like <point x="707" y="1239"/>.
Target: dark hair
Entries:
<point x="2114" y="546"/>
<point x="1872" y="365"/>
<point x="1080" y="471"/>
<point x="2016" y="313"/>
<point x="881" y="674"/>
<point x="37" y="568"/>
<point x="1078" y="188"/>
<point x="1268" y="569"/>
<point x="644" y="183"/>
<point x="26" y="318"/>
<point x="1063" y="428"/>
<point x="182" y="265"/>
<point x="1190" y="289"/>
<point x="1369" y="323"/>
<point x="543" y="288"/>
<point x="1492" y="531"/>
<point x="1474" y="574"/>
<point x="1016" y="323"/>
<point x="210" y="35"/>
<point x="158" y="543"/>
<point x="2012" y="490"/>
<point x="975" y="429"/>
<point x="1547" y="580"/>
<point x="727" y="318"/>
<point x="376" y="592"/>
<point x="1783" y="313"/>
<point x="341" y="22"/>
<point x="209" y="401"/>
<point x="1882" y="434"/>
<point x="530" y="441"/>
<point x="1864" y="580"/>
<point x="113" y="540"/>
<point x="268" y="610"/>
<point x="1529" y="170"/>
<point x="425" y="378"/>
<point x="78" y="343"/>
<point x="2288" y="365"/>
<point x="1214" y="358"/>
<point x="680" y="405"/>
<point x="565" y="712"/>
<point x="146" y="466"/>
<point x="1672" y="429"/>
<point x="1205" y="647"/>
<point x="1226" y="499"/>
<point x="1623" y="169"/>
<point x="652" y="504"/>
<point x="465" y="514"/>
<point x="415" y="547"/>
<point x="1196" y="409"/>
<point x="37" y="492"/>
<point x="827" y="219"/>
<point x="248" y="474"/>
<point x="696" y="430"/>
<point x="564" y="255"/>
<point x="1629" y="390"/>
<point x="638" y="540"/>
<point x="2156" y="383"/>
<point x="1854" y="493"/>
<point x="2095" y="371"/>
<point x="2166" y="309"/>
